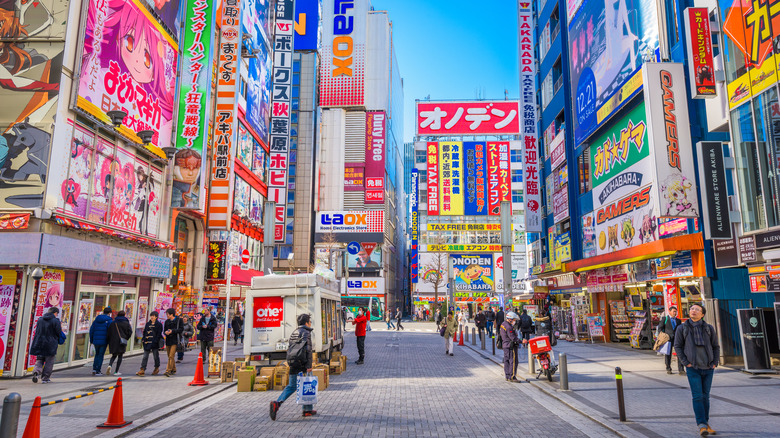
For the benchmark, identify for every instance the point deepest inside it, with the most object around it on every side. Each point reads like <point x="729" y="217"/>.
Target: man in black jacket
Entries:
<point x="302" y="334"/>
<point x="481" y="321"/>
<point x="45" y="343"/>
<point x="509" y="345"/>
<point x="499" y="321"/>
<point x="206" y="327"/>
<point x="491" y="319"/>
<point x="153" y="332"/>
<point x="172" y="330"/>
<point x="668" y="325"/>
<point x="526" y="325"/>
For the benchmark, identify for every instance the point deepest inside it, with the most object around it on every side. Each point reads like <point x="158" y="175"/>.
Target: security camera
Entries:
<point x="37" y="273"/>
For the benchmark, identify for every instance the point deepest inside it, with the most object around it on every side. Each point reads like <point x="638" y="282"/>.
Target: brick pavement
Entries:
<point x="407" y="387"/>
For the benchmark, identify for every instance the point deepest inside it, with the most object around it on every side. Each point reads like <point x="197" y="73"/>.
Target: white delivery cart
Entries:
<point x="272" y="307"/>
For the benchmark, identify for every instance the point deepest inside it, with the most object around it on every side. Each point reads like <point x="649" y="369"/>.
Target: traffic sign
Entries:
<point x="353" y="248"/>
<point x="245" y="256"/>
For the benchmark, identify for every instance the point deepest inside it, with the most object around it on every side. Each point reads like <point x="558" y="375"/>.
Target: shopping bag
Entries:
<point x="665" y="349"/>
<point x="306" y="393"/>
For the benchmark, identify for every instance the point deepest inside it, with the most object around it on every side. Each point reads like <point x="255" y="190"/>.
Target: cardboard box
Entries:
<point x="246" y="380"/>
<point x="267" y="372"/>
<point x="261" y="387"/>
<point x="322" y="378"/>
<point x="228" y="372"/>
<point x="335" y="355"/>
<point x="281" y="379"/>
<point x="335" y="367"/>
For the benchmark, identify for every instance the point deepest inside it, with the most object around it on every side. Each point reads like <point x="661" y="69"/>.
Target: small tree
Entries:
<point x="434" y="270"/>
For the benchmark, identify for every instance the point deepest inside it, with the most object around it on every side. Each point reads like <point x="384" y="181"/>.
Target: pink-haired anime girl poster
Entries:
<point x="129" y="63"/>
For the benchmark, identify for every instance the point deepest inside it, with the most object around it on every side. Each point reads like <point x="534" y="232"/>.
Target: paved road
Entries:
<point x="408" y="387"/>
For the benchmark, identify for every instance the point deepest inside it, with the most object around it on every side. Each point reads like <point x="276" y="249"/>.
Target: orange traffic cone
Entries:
<point x="116" y="414"/>
<point x="33" y="427"/>
<point x="198" y="379"/>
<point x="460" y="341"/>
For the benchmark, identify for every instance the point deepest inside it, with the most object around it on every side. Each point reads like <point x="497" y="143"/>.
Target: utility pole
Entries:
<point x="506" y="248"/>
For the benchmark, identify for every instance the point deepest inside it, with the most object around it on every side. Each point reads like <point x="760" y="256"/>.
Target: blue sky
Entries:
<point x="453" y="49"/>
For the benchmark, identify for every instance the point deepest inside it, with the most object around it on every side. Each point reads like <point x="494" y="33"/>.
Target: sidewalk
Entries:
<point x="657" y="404"/>
<point x="145" y="398"/>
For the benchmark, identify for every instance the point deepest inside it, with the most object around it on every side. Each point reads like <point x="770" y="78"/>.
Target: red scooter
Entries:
<point x="542" y="352"/>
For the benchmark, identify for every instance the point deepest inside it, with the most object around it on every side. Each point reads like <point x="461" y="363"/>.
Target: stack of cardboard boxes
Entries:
<point x="252" y="378"/>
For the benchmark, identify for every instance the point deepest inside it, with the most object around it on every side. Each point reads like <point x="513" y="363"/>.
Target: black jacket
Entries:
<point x="176" y="327"/>
<point x="206" y="331"/>
<point x="120" y="327"/>
<point x="686" y="348"/>
<point x="47" y="336"/>
<point x="481" y="320"/>
<point x="499" y="317"/>
<point x="304" y="332"/>
<point x="526" y="324"/>
<point x="152" y="334"/>
<point x="508" y="335"/>
<point x="237" y="325"/>
<point x="490" y="315"/>
<point x="666" y="326"/>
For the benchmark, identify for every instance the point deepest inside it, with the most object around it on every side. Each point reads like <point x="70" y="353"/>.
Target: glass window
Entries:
<point x="583" y="164"/>
<point x="517" y="175"/>
<point x="747" y="167"/>
<point x="515" y="156"/>
<point x="419" y="157"/>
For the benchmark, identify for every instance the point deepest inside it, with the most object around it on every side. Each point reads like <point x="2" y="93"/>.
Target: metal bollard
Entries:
<point x="482" y="340"/>
<point x="531" y="363"/>
<point x="9" y="422"/>
<point x="473" y="336"/>
<point x="494" y="345"/>
<point x="621" y="400"/>
<point x="564" y="372"/>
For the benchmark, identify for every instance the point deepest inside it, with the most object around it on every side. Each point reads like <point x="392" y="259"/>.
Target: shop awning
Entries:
<point x="652" y="250"/>
<point x="243" y="277"/>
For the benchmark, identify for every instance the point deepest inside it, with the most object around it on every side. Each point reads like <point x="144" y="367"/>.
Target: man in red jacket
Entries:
<point x="360" y="332"/>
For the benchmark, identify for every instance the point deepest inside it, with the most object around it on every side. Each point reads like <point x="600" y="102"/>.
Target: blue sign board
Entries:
<point x="307" y="21"/>
<point x="475" y="177"/>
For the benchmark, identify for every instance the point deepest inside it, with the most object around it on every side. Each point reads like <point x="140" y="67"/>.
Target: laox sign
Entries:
<point x="342" y="42"/>
<point x="357" y="284"/>
<point x="269" y="311"/>
<point x="344" y="219"/>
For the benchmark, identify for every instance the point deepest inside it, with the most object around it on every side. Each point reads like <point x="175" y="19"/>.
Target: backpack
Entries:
<point x="296" y="353"/>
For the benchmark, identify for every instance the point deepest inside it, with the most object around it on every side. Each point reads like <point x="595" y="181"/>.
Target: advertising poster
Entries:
<point x="450" y="182"/>
<point x="254" y="21"/>
<point x="189" y="171"/>
<point x="588" y="236"/>
<point x="7" y="291"/>
<point x="220" y="192"/>
<point x="51" y="290"/>
<point x="494" y="192"/>
<point x="519" y="271"/>
<point x="529" y="136"/>
<point x="562" y="247"/>
<point x="163" y="302"/>
<point x="375" y="157"/>
<point x="433" y="178"/>
<point x="65" y="315"/>
<point x="475" y="178"/>
<point x="371" y="221"/>
<point x="701" y="66"/>
<point x="307" y="15"/>
<point x="608" y="44"/>
<point x="129" y="309"/>
<point x="666" y="103"/>
<point x="558" y="150"/>
<point x="561" y="204"/>
<point x="414" y="226"/>
<point x="368" y="256"/>
<point x="714" y="193"/>
<point x="473" y="272"/>
<point x="168" y="13"/>
<point x="366" y="286"/>
<point x="117" y="39"/>
<point x="217" y="261"/>
<point x="343" y="66"/>
<point x="433" y="271"/>
<point x="354" y="177"/>
<point x="84" y="318"/>
<point x="143" y="310"/>
<point x="468" y="118"/>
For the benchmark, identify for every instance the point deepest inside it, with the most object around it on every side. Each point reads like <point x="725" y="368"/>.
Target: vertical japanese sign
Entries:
<point x="217" y="260"/>
<point x="189" y="172"/>
<point x="375" y="157"/>
<point x="51" y="291"/>
<point x="475" y="178"/>
<point x="498" y="179"/>
<point x="451" y="190"/>
<point x="220" y="194"/>
<point x="7" y="291"/>
<point x="415" y="223"/>
<point x="701" y="67"/>
<point x="281" y="95"/>
<point x="343" y="66"/>
<point x="433" y="178"/>
<point x="533" y="216"/>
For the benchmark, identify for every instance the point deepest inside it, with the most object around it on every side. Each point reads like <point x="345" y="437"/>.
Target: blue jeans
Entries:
<point x="100" y="351"/>
<point x="390" y="324"/>
<point x="290" y="389"/>
<point x="700" y="382"/>
<point x="490" y="328"/>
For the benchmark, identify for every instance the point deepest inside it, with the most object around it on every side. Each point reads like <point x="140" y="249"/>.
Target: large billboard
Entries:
<point x="432" y="163"/>
<point x="168" y="12"/>
<point x="254" y="24"/>
<point x="475" y="174"/>
<point x="532" y="165"/>
<point x="414" y="226"/>
<point x="307" y="25"/>
<point x="131" y="66"/>
<point x="376" y="150"/>
<point x="473" y="272"/>
<point x="481" y="117"/>
<point x="450" y="174"/>
<point x="189" y="172"/>
<point x="608" y="44"/>
<point x="499" y="180"/>
<point x="343" y="66"/>
<point x="372" y="221"/>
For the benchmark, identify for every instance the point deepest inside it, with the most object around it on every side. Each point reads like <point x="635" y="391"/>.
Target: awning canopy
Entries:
<point x="243" y="277"/>
<point x="652" y="250"/>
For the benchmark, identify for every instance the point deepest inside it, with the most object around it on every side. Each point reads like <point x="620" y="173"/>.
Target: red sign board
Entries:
<point x="499" y="179"/>
<point x="269" y="311"/>
<point x="433" y="178"/>
<point x="375" y="157"/>
<point x="354" y="177"/>
<point x="468" y="118"/>
<point x="701" y="65"/>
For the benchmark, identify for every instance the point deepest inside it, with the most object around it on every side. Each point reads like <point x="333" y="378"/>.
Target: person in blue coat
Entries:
<point x="44" y="345"/>
<point x="98" y="336"/>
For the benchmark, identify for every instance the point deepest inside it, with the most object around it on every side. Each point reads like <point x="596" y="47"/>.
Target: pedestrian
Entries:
<point x="344" y="318"/>
<point x="206" y="327"/>
<point x="510" y="342"/>
<point x="150" y="340"/>
<point x="48" y="337"/>
<point x="438" y="318"/>
<point x="499" y="321"/>
<point x="526" y="325"/>
<point x="389" y="320"/>
<point x="172" y="330"/>
<point x="451" y="329"/>
<point x="118" y="334"/>
<point x="481" y="321"/>
<point x="360" y="322"/>
<point x="668" y="325"/>
<point x="301" y="335"/>
<point x="398" y="315"/>
<point x="697" y="348"/>
<point x="238" y="326"/>
<point x="462" y="321"/>
<point x="187" y="330"/>
<point x="490" y="316"/>
<point x="98" y="336"/>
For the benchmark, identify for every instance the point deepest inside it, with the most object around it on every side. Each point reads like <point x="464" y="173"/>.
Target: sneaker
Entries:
<point x="108" y="370"/>
<point x="98" y="373"/>
<point x="178" y="361"/>
<point x="45" y="381"/>
<point x="273" y="410"/>
<point x="711" y="431"/>
<point x="117" y="373"/>
<point x="669" y="372"/>
<point x="309" y="413"/>
<point x="359" y="362"/>
<point x="452" y="354"/>
<point x="703" y="431"/>
<point x="35" y="377"/>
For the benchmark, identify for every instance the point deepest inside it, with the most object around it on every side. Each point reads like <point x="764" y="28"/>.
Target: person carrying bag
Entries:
<point x="306" y="393"/>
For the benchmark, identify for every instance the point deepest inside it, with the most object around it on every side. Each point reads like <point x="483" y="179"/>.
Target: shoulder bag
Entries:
<point x="122" y="340"/>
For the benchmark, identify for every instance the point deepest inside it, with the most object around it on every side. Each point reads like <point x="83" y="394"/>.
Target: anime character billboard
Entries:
<point x="129" y="63"/>
<point x="31" y="66"/>
<point x="473" y="272"/>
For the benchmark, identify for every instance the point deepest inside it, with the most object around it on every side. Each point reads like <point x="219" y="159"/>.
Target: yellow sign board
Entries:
<point x="464" y="227"/>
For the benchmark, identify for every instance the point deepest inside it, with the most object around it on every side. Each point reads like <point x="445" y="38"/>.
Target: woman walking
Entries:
<point x="118" y="333"/>
<point x="451" y="328"/>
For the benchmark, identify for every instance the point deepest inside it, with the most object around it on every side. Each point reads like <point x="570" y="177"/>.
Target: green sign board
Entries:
<point x="623" y="144"/>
